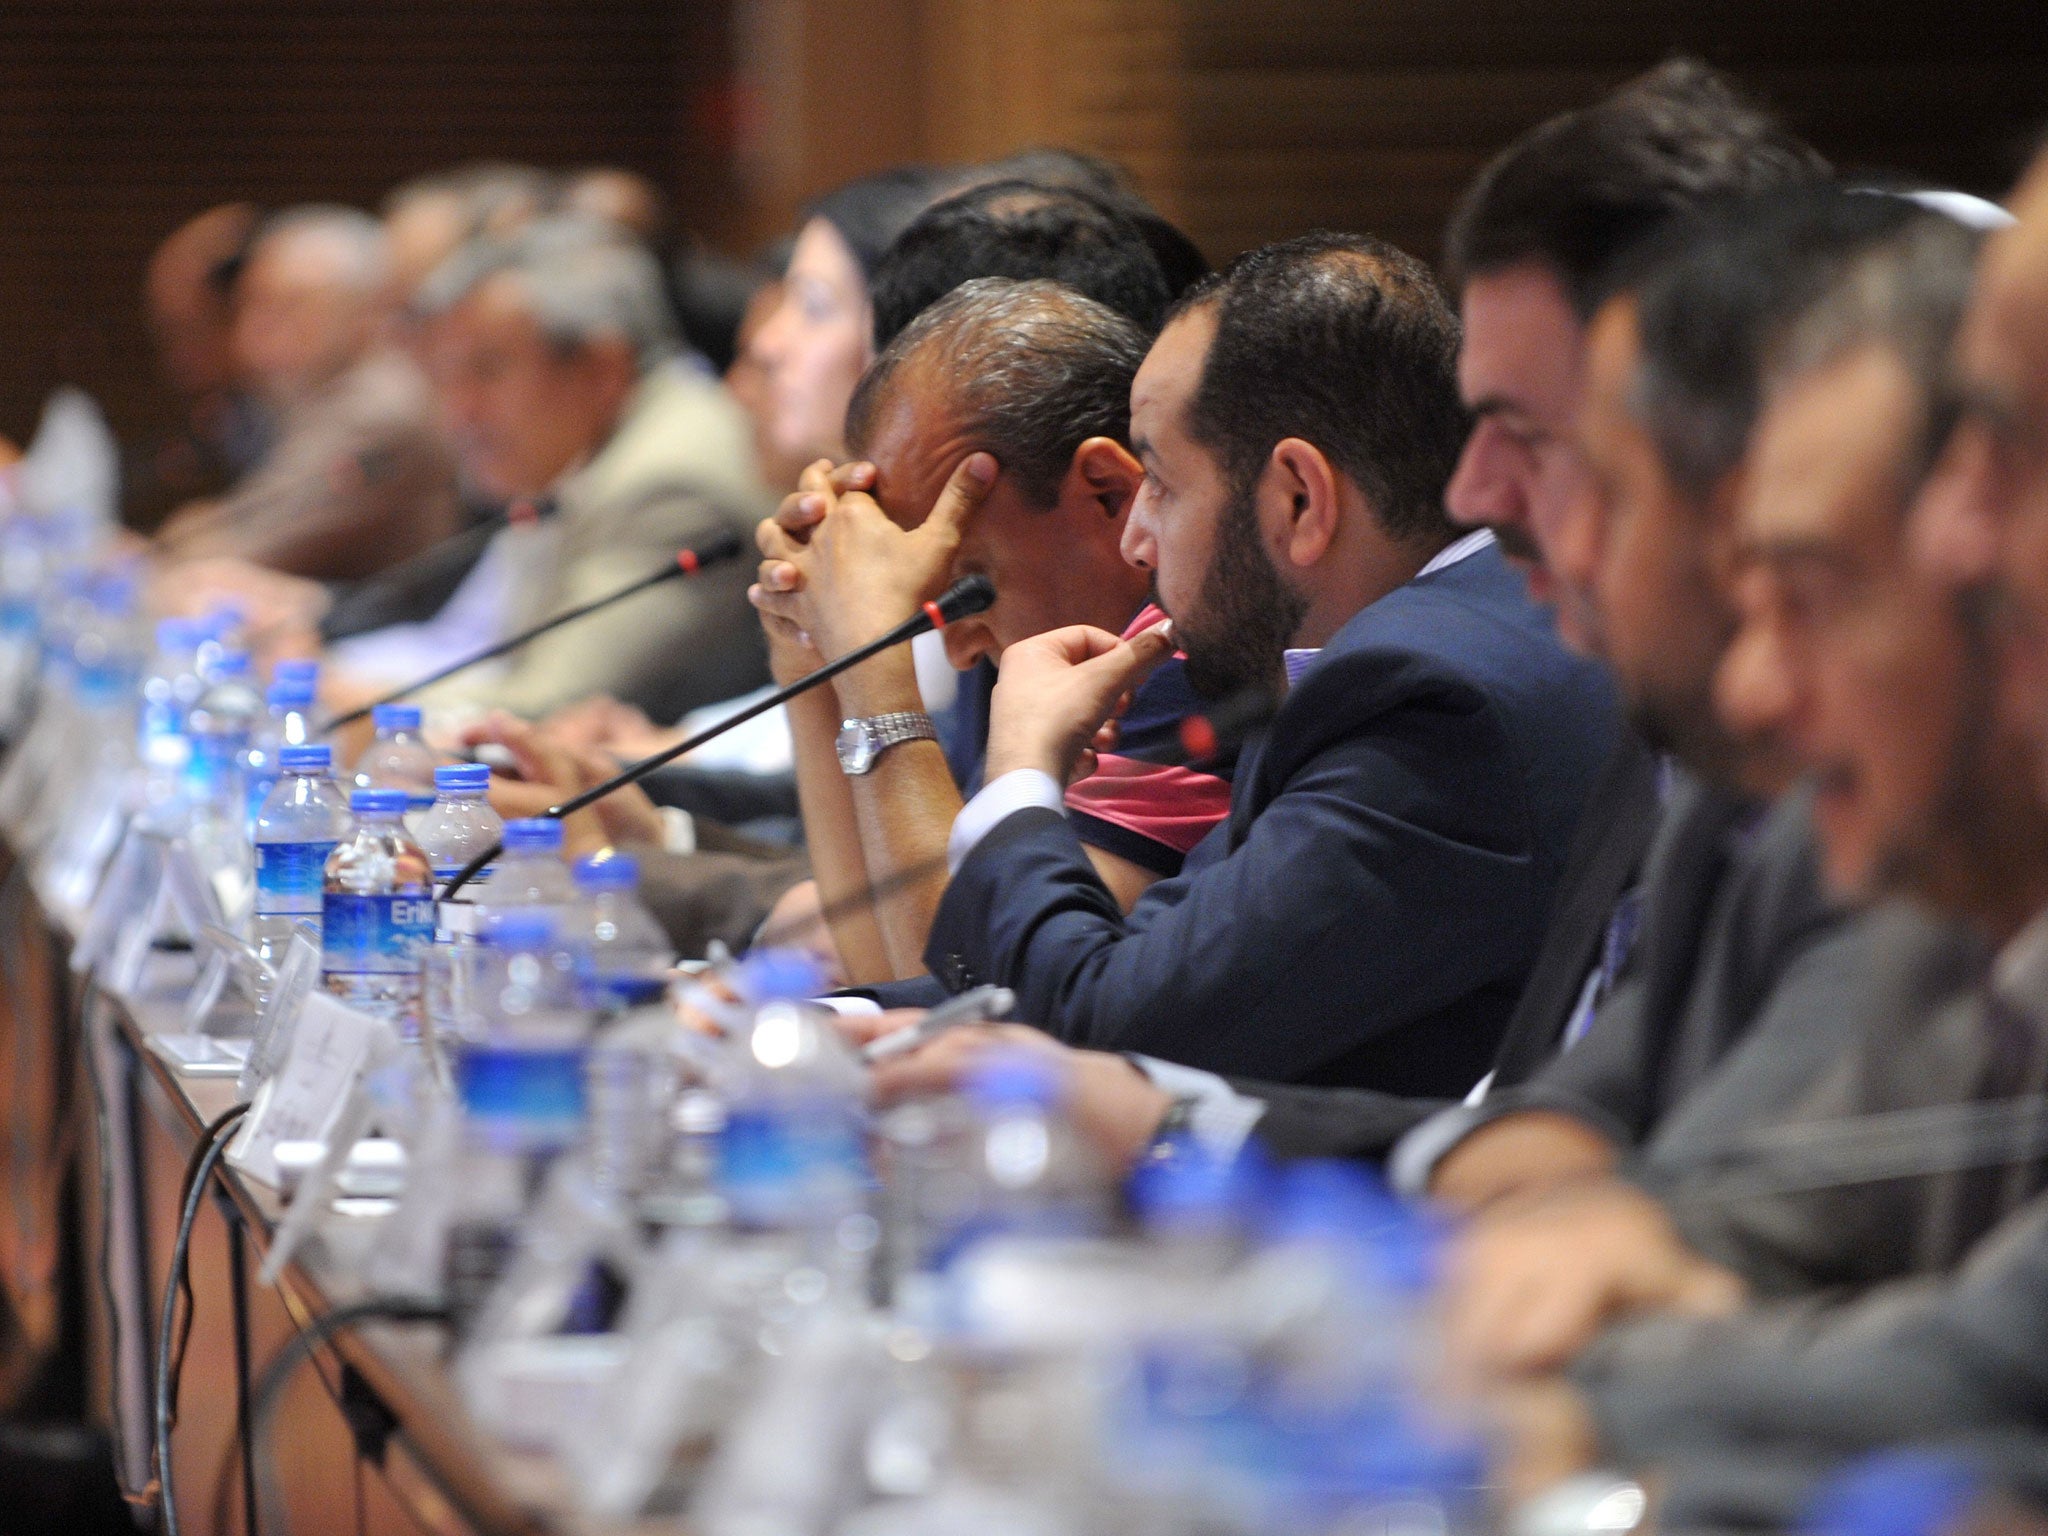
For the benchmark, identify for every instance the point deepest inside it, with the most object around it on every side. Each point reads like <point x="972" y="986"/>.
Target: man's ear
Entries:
<point x="1299" y="498"/>
<point x="1104" y="476"/>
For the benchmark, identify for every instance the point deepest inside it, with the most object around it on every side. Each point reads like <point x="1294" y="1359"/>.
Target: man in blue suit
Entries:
<point x="1371" y="907"/>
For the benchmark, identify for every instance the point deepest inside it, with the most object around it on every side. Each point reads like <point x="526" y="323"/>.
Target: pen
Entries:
<point x="981" y="1005"/>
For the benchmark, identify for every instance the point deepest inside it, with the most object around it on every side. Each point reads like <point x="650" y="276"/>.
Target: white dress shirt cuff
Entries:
<point x="678" y="830"/>
<point x="1413" y="1161"/>
<point x="1018" y="790"/>
<point x="1221" y="1118"/>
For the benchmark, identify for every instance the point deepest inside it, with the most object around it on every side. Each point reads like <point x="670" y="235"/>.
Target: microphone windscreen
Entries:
<point x="716" y="551"/>
<point x="969" y="595"/>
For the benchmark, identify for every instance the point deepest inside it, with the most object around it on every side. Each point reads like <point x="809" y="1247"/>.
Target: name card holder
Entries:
<point x="332" y="1048"/>
<point x="278" y="1009"/>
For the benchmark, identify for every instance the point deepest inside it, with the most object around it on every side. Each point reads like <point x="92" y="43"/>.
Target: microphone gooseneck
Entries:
<point x="686" y="563"/>
<point x="969" y="595"/>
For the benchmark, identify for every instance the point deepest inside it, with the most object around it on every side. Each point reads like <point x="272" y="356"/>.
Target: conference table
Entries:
<point x="369" y="1436"/>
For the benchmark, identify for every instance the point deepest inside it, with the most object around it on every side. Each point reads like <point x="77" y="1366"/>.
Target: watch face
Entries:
<point x="856" y="745"/>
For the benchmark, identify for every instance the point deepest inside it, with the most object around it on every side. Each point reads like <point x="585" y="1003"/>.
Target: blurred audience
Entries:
<point x="359" y="478"/>
<point x="1682" y="969"/>
<point x="223" y="430"/>
<point x="554" y="364"/>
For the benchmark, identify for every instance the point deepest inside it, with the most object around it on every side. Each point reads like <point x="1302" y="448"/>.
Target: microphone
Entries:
<point x="1868" y="1148"/>
<point x="1220" y="732"/>
<point x="687" y="563"/>
<point x="969" y="595"/>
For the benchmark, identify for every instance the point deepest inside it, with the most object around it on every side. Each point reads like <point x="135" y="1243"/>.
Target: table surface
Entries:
<point x="496" y="1488"/>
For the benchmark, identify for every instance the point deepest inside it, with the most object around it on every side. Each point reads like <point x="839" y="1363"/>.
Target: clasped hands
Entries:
<point x="837" y="573"/>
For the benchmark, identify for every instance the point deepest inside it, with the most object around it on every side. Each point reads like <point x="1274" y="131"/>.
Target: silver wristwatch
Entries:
<point x="862" y="742"/>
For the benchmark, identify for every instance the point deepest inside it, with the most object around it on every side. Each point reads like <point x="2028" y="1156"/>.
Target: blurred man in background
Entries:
<point x="359" y="478"/>
<point x="223" y="430"/>
<point x="554" y="364"/>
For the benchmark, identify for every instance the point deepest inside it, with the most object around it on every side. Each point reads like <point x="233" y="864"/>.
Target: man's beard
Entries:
<point x="1244" y="614"/>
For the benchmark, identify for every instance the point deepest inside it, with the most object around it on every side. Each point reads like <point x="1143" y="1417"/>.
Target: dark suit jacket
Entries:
<point x="411" y="591"/>
<point x="1744" y="1429"/>
<point x="1369" y="911"/>
<point x="1606" y="859"/>
<point x="1733" y="908"/>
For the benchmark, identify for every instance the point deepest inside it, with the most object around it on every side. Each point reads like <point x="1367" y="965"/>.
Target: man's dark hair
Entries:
<point x="1576" y="192"/>
<point x="1020" y="230"/>
<point x="1715" y="293"/>
<point x="1906" y="294"/>
<point x="1033" y="369"/>
<point x="1349" y="344"/>
<point x="1179" y="258"/>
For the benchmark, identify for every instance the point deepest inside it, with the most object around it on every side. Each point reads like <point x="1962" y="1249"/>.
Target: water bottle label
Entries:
<point x="443" y="873"/>
<point x="288" y="878"/>
<point x="374" y="935"/>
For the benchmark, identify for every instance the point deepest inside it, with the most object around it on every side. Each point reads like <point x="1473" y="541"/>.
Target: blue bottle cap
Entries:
<point x="314" y="757"/>
<point x="1896" y="1493"/>
<point x="379" y="802"/>
<point x="1193" y="1189"/>
<point x="462" y="776"/>
<point x="289" y="693"/>
<point x="294" y="668"/>
<point x="396" y="717"/>
<point x="221" y="621"/>
<point x="175" y="635"/>
<point x="1015" y="1076"/>
<point x="607" y="872"/>
<point x="767" y="975"/>
<point x="231" y="664"/>
<point x="533" y="834"/>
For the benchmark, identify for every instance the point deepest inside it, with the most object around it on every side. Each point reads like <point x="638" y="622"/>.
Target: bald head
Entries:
<point x="1030" y="370"/>
<point x="624" y="199"/>
<point x="309" y="299"/>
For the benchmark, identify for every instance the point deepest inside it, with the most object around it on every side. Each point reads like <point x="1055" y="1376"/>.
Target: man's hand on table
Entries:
<point x="1113" y="1104"/>
<point x="550" y="773"/>
<point x="1532" y="1282"/>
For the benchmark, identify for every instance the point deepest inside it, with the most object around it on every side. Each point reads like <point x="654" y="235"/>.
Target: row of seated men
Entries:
<point x="1635" y="836"/>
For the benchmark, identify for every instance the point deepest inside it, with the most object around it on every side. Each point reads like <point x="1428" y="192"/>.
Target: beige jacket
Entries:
<point x="678" y="470"/>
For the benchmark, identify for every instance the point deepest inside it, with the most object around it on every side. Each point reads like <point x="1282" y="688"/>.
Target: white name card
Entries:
<point x="332" y="1047"/>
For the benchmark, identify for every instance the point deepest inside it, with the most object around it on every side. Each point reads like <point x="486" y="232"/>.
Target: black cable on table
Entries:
<point x="299" y="1348"/>
<point x="213" y="1145"/>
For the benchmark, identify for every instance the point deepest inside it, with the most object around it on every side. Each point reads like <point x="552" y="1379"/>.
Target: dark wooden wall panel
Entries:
<point x="1374" y="115"/>
<point x="119" y="118"/>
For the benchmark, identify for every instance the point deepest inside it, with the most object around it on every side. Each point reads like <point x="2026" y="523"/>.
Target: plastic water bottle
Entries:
<point x="1001" y="1159"/>
<point x="519" y="1077"/>
<point x="221" y="725"/>
<point x="460" y="824"/>
<point x="287" y="722"/>
<point x="377" y="913"/>
<point x="220" y="634"/>
<point x="623" y="956"/>
<point x="397" y="758"/>
<point x="23" y="571"/>
<point x="299" y="825"/>
<point x="792" y="1157"/>
<point x="531" y="872"/>
<point x="169" y="690"/>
